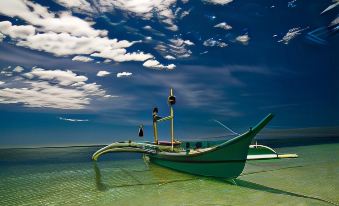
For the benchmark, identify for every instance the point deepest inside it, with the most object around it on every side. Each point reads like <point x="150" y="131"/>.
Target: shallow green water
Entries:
<point x="66" y="176"/>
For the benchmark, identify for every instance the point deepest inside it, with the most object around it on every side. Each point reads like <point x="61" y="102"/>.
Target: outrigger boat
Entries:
<point x="224" y="160"/>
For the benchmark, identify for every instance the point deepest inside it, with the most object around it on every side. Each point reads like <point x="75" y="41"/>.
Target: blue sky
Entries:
<point x="90" y="71"/>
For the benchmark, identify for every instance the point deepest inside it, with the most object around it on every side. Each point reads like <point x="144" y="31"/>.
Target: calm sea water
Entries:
<point x="67" y="176"/>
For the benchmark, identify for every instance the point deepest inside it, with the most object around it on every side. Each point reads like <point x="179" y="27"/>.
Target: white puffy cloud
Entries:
<point x="223" y="25"/>
<point x="219" y="2"/>
<point x="65" y="44"/>
<point x="51" y="89"/>
<point x="152" y="63"/>
<point x="121" y="55"/>
<point x="103" y="73"/>
<point x="145" y="9"/>
<point x="18" y="69"/>
<point x="82" y="59"/>
<point x="76" y="5"/>
<point x="14" y="31"/>
<point x="124" y="74"/>
<point x="147" y="27"/>
<point x="178" y="47"/>
<point x="39" y="16"/>
<point x="63" y="34"/>
<point x="64" y="78"/>
<point x="291" y="34"/>
<point x="169" y="57"/>
<point x="212" y="43"/>
<point x="181" y="42"/>
<point x="1" y="82"/>
<point x="42" y="94"/>
<point x="243" y="39"/>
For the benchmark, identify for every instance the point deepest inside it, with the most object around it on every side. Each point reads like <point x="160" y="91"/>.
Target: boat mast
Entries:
<point x="156" y="118"/>
<point x="171" y="102"/>
<point x="155" y="129"/>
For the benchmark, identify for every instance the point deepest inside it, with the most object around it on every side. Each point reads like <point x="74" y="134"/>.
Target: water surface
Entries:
<point x="67" y="176"/>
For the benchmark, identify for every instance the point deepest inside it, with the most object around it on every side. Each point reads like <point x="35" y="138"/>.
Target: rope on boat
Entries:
<point x="224" y="126"/>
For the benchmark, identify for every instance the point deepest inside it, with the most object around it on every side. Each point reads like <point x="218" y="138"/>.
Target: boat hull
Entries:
<point x="226" y="160"/>
<point x="224" y="169"/>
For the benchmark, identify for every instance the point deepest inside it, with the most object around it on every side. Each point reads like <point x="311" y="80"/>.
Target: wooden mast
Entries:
<point x="172" y="116"/>
<point x="171" y="101"/>
<point x="155" y="129"/>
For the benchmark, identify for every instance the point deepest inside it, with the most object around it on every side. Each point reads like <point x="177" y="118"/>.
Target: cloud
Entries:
<point x="18" y="69"/>
<point x="147" y="27"/>
<point x="223" y="25"/>
<point x="51" y="89"/>
<point x="291" y="34"/>
<point x="156" y="65"/>
<point x="335" y="21"/>
<point x="73" y="120"/>
<point x="330" y="7"/>
<point x="42" y="94"/>
<point x="80" y="6"/>
<point x="181" y="42"/>
<point x="121" y="55"/>
<point x="178" y="47"/>
<point x="64" y="44"/>
<point x="64" y="78"/>
<point x="169" y="57"/>
<point x="39" y="16"/>
<point x="7" y="72"/>
<point x="219" y="2"/>
<point x="82" y="59"/>
<point x="146" y="9"/>
<point x="244" y="39"/>
<point x="212" y="43"/>
<point x="13" y="31"/>
<point x="124" y="74"/>
<point x="2" y="37"/>
<point x="103" y="73"/>
<point x="191" y="88"/>
<point x="62" y="34"/>
<point x="1" y="82"/>
<point x="180" y="13"/>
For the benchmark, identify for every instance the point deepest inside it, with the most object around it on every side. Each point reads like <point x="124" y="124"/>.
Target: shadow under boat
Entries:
<point x="263" y="188"/>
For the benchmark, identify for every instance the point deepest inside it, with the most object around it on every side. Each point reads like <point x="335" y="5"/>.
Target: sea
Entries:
<point x="68" y="176"/>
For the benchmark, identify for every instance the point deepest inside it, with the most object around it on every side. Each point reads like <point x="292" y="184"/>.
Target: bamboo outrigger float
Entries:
<point x="225" y="160"/>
